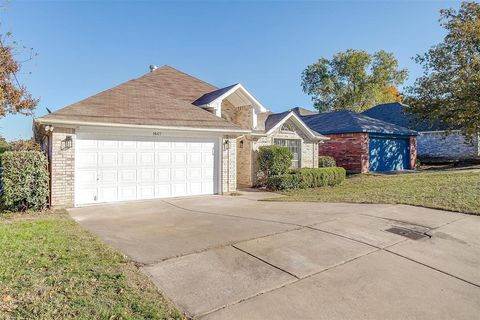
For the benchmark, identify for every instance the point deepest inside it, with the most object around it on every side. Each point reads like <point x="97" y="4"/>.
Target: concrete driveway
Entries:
<point x="225" y="257"/>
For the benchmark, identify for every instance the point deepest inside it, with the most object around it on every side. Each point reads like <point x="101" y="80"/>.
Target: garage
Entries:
<point x="389" y="153"/>
<point x="112" y="168"/>
<point x="361" y="144"/>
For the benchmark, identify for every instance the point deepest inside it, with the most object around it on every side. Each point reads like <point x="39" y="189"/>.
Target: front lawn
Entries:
<point x="452" y="191"/>
<point x="51" y="268"/>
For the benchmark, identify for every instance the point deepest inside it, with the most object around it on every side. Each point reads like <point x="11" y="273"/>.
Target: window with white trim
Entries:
<point x="294" y="146"/>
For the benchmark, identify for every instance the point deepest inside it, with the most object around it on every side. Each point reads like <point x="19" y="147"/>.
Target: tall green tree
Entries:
<point x="354" y="80"/>
<point x="449" y="90"/>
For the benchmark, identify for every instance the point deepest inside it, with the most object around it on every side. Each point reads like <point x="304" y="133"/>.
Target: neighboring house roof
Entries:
<point x="299" y="111"/>
<point x="162" y="97"/>
<point x="396" y="113"/>
<point x="351" y="122"/>
<point x="275" y="120"/>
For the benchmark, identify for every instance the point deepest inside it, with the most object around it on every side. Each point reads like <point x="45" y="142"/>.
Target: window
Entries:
<point x="287" y="127"/>
<point x="294" y="146"/>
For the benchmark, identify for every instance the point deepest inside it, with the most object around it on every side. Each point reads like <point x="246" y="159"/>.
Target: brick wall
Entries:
<point x="241" y="116"/>
<point x="452" y="146"/>
<point x="350" y="150"/>
<point x="244" y="162"/>
<point x="62" y="168"/>
<point x="229" y="164"/>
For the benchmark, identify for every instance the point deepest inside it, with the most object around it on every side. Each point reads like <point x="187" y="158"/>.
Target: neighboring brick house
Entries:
<point x="362" y="144"/>
<point x="433" y="140"/>
<point x="164" y="134"/>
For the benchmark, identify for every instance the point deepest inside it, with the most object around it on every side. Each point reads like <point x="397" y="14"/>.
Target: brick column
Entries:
<point x="62" y="168"/>
<point x="229" y="164"/>
<point x="413" y="152"/>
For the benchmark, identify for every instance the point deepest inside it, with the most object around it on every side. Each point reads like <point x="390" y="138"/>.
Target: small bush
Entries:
<point x="274" y="160"/>
<point x="326" y="161"/>
<point x="24" y="179"/>
<point x="307" y="178"/>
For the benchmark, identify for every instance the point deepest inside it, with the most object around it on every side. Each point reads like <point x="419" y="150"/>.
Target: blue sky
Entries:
<point x="86" y="47"/>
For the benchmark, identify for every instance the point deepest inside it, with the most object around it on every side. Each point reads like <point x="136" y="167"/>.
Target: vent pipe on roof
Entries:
<point x="153" y="67"/>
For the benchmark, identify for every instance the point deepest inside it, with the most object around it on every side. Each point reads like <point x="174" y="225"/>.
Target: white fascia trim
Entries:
<point x="302" y="125"/>
<point x="137" y="126"/>
<point x="256" y="103"/>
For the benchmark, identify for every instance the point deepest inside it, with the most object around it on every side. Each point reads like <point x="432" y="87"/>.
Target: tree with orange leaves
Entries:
<point x="14" y="96"/>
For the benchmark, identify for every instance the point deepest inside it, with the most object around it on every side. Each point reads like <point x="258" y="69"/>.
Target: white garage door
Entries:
<point x="109" y="170"/>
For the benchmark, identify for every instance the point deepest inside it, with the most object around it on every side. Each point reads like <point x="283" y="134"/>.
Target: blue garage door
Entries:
<point x="389" y="153"/>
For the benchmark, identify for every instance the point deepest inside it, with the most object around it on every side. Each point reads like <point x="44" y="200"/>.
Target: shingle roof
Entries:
<point x="299" y="111"/>
<point x="395" y="113"/>
<point x="209" y="97"/>
<point x="351" y="122"/>
<point x="163" y="98"/>
<point x="274" y="118"/>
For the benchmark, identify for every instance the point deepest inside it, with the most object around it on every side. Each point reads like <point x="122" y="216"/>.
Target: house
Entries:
<point x="164" y="134"/>
<point x="362" y="144"/>
<point x="432" y="140"/>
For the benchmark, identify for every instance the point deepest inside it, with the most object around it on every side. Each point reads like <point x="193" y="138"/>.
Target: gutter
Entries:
<point x="138" y="126"/>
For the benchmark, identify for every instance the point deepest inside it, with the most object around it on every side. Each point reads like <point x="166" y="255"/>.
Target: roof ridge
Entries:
<point x="139" y="78"/>
<point x="166" y="66"/>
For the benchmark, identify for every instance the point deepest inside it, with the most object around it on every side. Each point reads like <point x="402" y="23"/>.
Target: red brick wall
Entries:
<point x="350" y="150"/>
<point x="413" y="152"/>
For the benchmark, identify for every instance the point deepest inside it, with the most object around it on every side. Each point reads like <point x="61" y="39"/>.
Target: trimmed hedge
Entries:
<point x="24" y="179"/>
<point x="326" y="161"/>
<point x="307" y="178"/>
<point x="274" y="160"/>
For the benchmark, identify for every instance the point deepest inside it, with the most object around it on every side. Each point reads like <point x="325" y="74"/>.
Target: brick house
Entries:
<point x="433" y="140"/>
<point x="164" y="134"/>
<point x="362" y="144"/>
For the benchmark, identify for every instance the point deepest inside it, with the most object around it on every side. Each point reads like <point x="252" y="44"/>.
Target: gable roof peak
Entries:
<point x="162" y="97"/>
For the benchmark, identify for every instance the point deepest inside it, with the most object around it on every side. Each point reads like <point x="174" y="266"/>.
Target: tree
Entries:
<point x="354" y="80"/>
<point x="14" y="97"/>
<point x="449" y="90"/>
<point x="3" y="145"/>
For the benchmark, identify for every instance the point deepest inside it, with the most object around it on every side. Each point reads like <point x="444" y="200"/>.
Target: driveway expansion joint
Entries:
<point x="231" y="244"/>
<point x="286" y="284"/>
<point x="264" y="261"/>
<point x="433" y="268"/>
<point x="230" y="215"/>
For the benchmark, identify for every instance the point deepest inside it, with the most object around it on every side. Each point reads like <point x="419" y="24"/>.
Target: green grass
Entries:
<point x="452" y="191"/>
<point x="51" y="268"/>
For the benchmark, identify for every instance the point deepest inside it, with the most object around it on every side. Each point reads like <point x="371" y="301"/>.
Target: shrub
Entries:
<point x="23" y="145"/>
<point x="307" y="178"/>
<point x="274" y="160"/>
<point x="24" y="179"/>
<point x="326" y="161"/>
